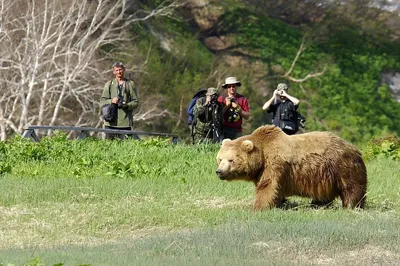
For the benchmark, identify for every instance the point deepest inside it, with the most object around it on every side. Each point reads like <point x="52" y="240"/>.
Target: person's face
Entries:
<point x="231" y="89"/>
<point x="119" y="72"/>
<point x="282" y="94"/>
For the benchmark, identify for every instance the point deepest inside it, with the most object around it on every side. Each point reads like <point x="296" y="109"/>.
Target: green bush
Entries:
<point x="387" y="147"/>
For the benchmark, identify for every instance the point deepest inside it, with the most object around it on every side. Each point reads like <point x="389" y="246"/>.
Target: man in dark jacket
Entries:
<point x="284" y="109"/>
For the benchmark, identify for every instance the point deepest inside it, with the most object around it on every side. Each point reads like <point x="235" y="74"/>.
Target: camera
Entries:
<point x="213" y="98"/>
<point x="120" y="101"/>
<point x="232" y="99"/>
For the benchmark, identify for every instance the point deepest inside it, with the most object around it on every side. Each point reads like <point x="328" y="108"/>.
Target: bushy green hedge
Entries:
<point x="81" y="157"/>
<point x="387" y="147"/>
<point x="58" y="156"/>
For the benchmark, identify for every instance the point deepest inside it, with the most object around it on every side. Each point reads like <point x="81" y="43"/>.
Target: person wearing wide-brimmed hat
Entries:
<point x="208" y="118"/>
<point x="236" y="107"/>
<point x="121" y="93"/>
<point x="284" y="109"/>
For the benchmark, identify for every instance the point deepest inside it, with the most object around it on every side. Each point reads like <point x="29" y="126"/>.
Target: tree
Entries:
<point x="54" y="56"/>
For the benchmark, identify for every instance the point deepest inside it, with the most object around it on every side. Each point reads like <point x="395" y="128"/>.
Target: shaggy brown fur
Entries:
<point x="318" y="165"/>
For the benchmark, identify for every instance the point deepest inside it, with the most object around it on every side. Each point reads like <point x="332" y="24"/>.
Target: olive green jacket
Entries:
<point x="110" y="91"/>
<point x="204" y="116"/>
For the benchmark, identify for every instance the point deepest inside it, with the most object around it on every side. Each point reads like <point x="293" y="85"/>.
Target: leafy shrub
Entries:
<point x="387" y="147"/>
<point x="5" y="167"/>
<point x="38" y="262"/>
<point x="85" y="158"/>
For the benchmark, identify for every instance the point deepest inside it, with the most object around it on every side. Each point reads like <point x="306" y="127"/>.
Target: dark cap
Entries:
<point x="282" y="86"/>
<point x="118" y="64"/>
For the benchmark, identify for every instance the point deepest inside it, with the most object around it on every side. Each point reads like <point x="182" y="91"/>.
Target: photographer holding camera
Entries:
<point x="120" y="93"/>
<point x="284" y="108"/>
<point x="236" y="107"/>
<point x="207" y="126"/>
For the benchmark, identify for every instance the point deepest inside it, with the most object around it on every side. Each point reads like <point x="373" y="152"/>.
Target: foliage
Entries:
<point x="119" y="158"/>
<point x="387" y="147"/>
<point x="349" y="99"/>
<point x="49" y="148"/>
<point x="181" y="65"/>
<point x="39" y="262"/>
<point x="164" y="203"/>
<point x="5" y="167"/>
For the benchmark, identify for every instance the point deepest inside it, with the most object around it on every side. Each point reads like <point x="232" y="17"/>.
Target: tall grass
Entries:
<point x="153" y="203"/>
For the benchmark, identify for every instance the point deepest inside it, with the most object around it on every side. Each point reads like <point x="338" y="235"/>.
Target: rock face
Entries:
<point x="393" y="80"/>
<point x="204" y="14"/>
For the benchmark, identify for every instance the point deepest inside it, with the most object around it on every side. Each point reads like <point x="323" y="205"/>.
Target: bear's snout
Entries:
<point x="219" y="174"/>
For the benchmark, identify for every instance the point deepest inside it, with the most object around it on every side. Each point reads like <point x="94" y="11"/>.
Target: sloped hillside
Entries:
<point x="334" y="66"/>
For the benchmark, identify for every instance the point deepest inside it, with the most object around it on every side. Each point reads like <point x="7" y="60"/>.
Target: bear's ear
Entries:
<point x="225" y="141"/>
<point x="247" y="145"/>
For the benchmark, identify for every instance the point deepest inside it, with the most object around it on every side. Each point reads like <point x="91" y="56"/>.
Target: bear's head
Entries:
<point x="238" y="159"/>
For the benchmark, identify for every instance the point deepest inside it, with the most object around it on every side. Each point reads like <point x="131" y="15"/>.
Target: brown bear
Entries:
<point x="318" y="165"/>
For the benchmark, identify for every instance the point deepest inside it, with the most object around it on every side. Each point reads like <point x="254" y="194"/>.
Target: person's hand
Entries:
<point x="115" y="100"/>
<point x="283" y="93"/>
<point x="228" y="101"/>
<point x="208" y="99"/>
<point x="276" y="93"/>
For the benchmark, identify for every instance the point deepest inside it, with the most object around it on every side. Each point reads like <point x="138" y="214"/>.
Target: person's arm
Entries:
<point x="200" y="107"/>
<point x="106" y="96"/>
<point x="134" y="101"/>
<point x="270" y="101"/>
<point x="244" y="110"/>
<point x="244" y="114"/>
<point x="225" y="105"/>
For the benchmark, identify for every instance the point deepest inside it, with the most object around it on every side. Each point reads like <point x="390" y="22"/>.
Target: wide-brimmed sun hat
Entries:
<point x="230" y="81"/>
<point x="211" y="91"/>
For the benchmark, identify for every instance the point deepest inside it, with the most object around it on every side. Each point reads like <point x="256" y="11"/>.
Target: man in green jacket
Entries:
<point x="121" y="93"/>
<point x="207" y="118"/>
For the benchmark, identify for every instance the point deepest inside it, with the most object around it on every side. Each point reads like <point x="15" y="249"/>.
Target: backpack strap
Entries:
<point x="123" y="90"/>
<point x="128" y="92"/>
<point x="109" y="88"/>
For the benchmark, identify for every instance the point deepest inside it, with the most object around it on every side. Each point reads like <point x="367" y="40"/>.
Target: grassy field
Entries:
<point x="152" y="203"/>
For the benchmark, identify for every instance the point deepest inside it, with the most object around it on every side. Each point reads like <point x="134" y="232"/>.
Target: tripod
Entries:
<point x="215" y="124"/>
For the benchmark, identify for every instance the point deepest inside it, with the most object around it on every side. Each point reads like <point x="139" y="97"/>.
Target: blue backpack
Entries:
<point x="200" y="93"/>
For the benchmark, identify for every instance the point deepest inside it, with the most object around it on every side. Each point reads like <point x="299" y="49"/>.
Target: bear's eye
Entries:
<point x="230" y="161"/>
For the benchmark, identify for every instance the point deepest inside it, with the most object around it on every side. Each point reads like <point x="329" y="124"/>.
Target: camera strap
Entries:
<point x="121" y="88"/>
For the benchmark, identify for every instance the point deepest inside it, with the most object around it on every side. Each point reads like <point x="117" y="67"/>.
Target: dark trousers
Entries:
<point x="116" y="135"/>
<point x="232" y="133"/>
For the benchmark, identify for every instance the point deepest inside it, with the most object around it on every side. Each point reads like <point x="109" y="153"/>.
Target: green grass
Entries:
<point x="144" y="203"/>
